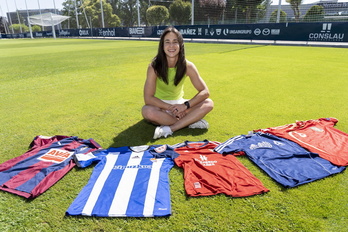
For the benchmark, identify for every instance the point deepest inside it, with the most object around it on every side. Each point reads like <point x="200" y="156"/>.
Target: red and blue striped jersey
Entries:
<point x="48" y="160"/>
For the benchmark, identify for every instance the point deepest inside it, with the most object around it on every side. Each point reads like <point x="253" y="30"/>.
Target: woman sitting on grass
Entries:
<point x="164" y="89"/>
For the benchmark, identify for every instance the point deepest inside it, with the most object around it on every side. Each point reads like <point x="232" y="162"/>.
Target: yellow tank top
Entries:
<point x="170" y="91"/>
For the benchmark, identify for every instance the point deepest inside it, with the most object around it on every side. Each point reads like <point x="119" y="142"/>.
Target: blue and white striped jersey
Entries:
<point x="126" y="182"/>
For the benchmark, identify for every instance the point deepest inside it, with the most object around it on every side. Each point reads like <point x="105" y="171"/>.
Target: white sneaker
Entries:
<point x="201" y="124"/>
<point x="162" y="131"/>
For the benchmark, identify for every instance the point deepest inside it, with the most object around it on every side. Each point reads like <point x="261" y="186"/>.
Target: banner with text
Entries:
<point x="323" y="32"/>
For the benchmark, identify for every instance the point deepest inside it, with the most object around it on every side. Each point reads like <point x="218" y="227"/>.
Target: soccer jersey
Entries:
<point x="48" y="160"/>
<point x="317" y="136"/>
<point x="208" y="173"/>
<point x="285" y="161"/>
<point x="126" y="182"/>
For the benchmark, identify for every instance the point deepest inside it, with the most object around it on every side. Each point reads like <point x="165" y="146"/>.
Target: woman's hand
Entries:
<point x="178" y="110"/>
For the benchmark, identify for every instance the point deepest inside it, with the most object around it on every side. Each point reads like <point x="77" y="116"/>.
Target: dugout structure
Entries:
<point x="46" y="20"/>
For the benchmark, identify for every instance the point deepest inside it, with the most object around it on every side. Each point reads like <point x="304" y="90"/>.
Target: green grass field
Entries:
<point x="93" y="89"/>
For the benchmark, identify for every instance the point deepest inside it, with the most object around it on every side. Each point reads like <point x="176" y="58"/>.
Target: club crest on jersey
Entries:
<point x="278" y="143"/>
<point x="56" y="156"/>
<point x="161" y="149"/>
<point x="197" y="185"/>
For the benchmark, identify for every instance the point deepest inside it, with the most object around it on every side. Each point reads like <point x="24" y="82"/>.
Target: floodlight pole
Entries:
<point x="84" y="12"/>
<point x="30" y="29"/>
<point x="54" y="5"/>
<point x="5" y="23"/>
<point x="42" y="27"/>
<point x="193" y="12"/>
<point x="55" y="11"/>
<point x="138" y="6"/>
<point x="77" y="18"/>
<point x="52" y="23"/>
<point x="19" y="20"/>
<point x="29" y="24"/>
<point x="279" y="8"/>
<point x="9" y="17"/>
<point x="102" y="12"/>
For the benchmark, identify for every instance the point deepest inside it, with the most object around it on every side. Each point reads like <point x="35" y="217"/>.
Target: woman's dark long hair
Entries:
<point x="160" y="64"/>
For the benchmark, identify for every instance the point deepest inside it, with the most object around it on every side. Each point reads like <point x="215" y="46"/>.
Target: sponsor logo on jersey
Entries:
<point x="203" y="157"/>
<point x="263" y="144"/>
<point x="56" y="156"/>
<point x="317" y="129"/>
<point x="205" y="162"/>
<point x="123" y="167"/>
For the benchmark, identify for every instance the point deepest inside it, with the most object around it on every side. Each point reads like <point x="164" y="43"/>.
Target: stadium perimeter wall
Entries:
<point x="334" y="32"/>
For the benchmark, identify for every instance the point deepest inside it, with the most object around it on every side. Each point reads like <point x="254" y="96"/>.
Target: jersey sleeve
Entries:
<point x="329" y="121"/>
<point x="83" y="160"/>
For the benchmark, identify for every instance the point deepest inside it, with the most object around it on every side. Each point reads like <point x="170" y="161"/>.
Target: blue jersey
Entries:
<point x="285" y="161"/>
<point x="126" y="182"/>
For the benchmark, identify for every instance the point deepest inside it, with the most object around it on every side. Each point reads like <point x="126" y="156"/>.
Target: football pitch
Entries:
<point x="94" y="89"/>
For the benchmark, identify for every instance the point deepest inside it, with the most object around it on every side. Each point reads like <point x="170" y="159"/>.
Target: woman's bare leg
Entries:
<point x="159" y="117"/>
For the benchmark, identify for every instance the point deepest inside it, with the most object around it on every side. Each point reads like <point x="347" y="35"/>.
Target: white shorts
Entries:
<point x="179" y="101"/>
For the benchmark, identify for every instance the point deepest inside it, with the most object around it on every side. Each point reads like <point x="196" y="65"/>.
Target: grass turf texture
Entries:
<point x="93" y="89"/>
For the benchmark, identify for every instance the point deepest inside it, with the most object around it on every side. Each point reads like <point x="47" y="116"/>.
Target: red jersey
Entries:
<point x="209" y="173"/>
<point x="318" y="136"/>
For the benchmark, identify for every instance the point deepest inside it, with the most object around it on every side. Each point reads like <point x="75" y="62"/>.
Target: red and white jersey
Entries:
<point x="207" y="172"/>
<point x="318" y="136"/>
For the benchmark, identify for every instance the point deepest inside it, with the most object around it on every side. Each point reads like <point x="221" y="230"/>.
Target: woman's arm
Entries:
<point x="150" y="90"/>
<point x="198" y="82"/>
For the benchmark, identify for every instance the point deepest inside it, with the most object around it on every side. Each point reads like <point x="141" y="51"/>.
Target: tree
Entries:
<point x="36" y="28"/>
<point x="144" y="5"/>
<point x="282" y="18"/>
<point x="314" y="14"/>
<point x="248" y="8"/>
<point x="127" y="9"/>
<point x="157" y="15"/>
<point x="69" y="10"/>
<point x="128" y="12"/>
<point x="92" y="11"/>
<point x="261" y="10"/>
<point x="295" y="6"/>
<point x="2" y="24"/>
<point x="87" y="11"/>
<point x="213" y="9"/>
<point x="180" y="12"/>
<point x="17" y="28"/>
